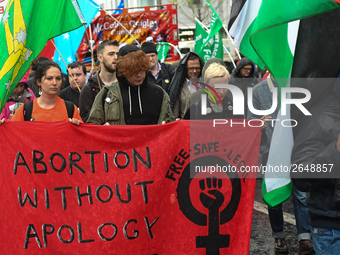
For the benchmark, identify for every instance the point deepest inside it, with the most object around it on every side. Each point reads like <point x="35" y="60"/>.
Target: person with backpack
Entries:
<point x="48" y="107"/>
<point x="21" y="94"/>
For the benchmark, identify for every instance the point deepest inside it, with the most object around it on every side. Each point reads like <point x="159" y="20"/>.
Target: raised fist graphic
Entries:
<point x="213" y="201"/>
<point x="212" y="186"/>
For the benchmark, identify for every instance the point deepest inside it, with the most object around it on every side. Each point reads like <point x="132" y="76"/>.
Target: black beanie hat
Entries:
<point x="149" y="47"/>
<point x="126" y="49"/>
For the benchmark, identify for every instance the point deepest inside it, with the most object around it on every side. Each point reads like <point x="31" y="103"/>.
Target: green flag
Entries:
<point x="212" y="49"/>
<point x="25" y="28"/>
<point x="215" y="26"/>
<point x="162" y="49"/>
<point x="200" y="35"/>
<point x="266" y="32"/>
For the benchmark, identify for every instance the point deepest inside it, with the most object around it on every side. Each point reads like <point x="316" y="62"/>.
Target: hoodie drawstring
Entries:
<point x="139" y="99"/>
<point x="130" y="102"/>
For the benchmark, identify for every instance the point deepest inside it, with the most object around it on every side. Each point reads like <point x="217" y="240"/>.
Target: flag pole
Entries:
<point x="232" y="61"/>
<point x="121" y="26"/>
<point x="92" y="66"/>
<point x="206" y="28"/>
<point x="90" y="45"/>
<point x="68" y="71"/>
<point x="172" y="45"/>
<point x="231" y="39"/>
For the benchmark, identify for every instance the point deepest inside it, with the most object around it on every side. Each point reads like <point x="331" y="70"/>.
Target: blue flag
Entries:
<point x="121" y="5"/>
<point x="68" y="43"/>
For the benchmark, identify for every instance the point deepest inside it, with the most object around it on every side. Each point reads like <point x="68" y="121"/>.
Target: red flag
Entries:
<point x="48" y="52"/>
<point x="125" y="189"/>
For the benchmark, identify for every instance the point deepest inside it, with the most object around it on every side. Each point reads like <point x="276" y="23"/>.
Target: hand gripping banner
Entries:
<point x="125" y="189"/>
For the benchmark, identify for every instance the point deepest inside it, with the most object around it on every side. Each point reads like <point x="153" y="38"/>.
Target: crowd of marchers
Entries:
<point x="132" y="87"/>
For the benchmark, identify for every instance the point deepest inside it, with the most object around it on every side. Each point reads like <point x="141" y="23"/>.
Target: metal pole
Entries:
<point x="174" y="46"/>
<point x="225" y="29"/>
<point x="225" y="48"/>
<point x="91" y="45"/>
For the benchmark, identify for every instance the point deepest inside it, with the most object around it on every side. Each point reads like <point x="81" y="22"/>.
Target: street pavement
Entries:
<point x="261" y="241"/>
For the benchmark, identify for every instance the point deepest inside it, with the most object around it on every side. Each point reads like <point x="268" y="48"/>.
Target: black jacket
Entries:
<point x="179" y="78"/>
<point x="142" y="104"/>
<point x="88" y="94"/>
<point x="315" y="145"/>
<point x="164" y="77"/>
<point x="70" y="94"/>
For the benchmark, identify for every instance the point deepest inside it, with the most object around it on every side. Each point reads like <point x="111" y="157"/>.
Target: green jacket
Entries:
<point x="108" y="107"/>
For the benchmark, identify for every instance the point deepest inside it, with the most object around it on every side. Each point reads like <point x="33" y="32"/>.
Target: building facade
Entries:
<point x="186" y="22"/>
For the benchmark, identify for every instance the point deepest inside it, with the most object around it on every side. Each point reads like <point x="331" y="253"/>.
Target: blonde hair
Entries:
<point x="216" y="70"/>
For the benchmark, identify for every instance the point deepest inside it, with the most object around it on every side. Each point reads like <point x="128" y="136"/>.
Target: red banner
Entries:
<point x="151" y="25"/>
<point x="125" y="189"/>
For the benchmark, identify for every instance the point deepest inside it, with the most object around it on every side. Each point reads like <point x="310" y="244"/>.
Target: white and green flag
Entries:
<point x="266" y="31"/>
<point x="162" y="49"/>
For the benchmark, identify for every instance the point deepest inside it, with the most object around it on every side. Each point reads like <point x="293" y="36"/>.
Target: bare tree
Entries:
<point x="198" y="8"/>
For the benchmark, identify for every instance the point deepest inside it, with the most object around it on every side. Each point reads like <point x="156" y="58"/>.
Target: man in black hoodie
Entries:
<point x="243" y="77"/>
<point x="107" y="55"/>
<point x="189" y="70"/>
<point x="131" y="100"/>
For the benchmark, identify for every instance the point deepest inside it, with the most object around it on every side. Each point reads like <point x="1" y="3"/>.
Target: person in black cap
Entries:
<point x="131" y="100"/>
<point x="159" y="73"/>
